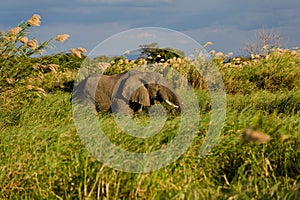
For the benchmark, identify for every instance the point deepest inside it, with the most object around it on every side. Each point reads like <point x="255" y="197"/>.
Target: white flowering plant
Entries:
<point x="22" y="62"/>
<point x="15" y="42"/>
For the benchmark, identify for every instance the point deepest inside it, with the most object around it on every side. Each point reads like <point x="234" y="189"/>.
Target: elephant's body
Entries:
<point x="133" y="89"/>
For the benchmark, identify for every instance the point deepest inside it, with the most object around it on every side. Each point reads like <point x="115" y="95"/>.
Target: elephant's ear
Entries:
<point x="141" y="96"/>
<point x="133" y="89"/>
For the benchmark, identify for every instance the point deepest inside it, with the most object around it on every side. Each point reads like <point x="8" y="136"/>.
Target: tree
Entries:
<point x="265" y="42"/>
<point x="152" y="53"/>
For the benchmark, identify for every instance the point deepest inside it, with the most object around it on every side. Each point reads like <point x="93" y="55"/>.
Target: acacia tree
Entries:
<point x="153" y="53"/>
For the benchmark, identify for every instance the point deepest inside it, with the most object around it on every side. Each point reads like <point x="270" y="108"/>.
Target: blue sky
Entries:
<point x="229" y="24"/>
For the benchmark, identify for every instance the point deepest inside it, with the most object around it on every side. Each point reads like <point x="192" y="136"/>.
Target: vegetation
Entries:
<point x="42" y="157"/>
<point x="153" y="54"/>
<point x="265" y="42"/>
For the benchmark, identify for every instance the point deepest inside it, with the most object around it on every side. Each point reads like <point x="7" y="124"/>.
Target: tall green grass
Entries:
<point x="42" y="156"/>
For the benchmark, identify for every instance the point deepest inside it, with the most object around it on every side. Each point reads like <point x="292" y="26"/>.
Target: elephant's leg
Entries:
<point x="136" y="107"/>
<point x="120" y="106"/>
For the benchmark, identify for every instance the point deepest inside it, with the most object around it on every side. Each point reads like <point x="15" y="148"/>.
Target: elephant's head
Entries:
<point x="139" y="89"/>
<point x="147" y="94"/>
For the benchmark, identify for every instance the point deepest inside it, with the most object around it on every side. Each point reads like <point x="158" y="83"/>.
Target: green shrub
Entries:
<point x="275" y="72"/>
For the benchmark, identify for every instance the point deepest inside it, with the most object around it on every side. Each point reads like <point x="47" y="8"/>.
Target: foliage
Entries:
<point x="275" y="72"/>
<point x="153" y="53"/>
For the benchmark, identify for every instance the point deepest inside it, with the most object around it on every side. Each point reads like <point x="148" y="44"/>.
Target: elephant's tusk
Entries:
<point x="171" y="104"/>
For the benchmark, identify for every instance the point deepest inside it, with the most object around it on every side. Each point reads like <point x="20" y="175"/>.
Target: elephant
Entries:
<point x="126" y="93"/>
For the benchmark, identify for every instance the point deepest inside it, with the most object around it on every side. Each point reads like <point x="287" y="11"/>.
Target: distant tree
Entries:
<point x="152" y="53"/>
<point x="265" y="42"/>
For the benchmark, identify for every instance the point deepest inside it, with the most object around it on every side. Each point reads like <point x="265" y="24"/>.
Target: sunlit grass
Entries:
<point x="42" y="156"/>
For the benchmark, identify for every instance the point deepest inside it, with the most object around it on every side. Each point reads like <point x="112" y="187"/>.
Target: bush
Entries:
<point x="277" y="71"/>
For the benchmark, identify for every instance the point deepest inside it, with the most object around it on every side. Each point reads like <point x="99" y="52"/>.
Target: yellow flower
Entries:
<point x="82" y="50"/>
<point x="53" y="67"/>
<point x="8" y="38"/>
<point x="32" y="44"/>
<point x="179" y="60"/>
<point x="294" y="52"/>
<point x="62" y="38"/>
<point x="15" y="31"/>
<point x="29" y="87"/>
<point x="24" y="40"/>
<point x="5" y="38"/>
<point x="75" y="52"/>
<point x="219" y="54"/>
<point x="212" y="52"/>
<point x="265" y="47"/>
<point x="41" y="90"/>
<point x="35" y="20"/>
<point x="207" y="44"/>
<point x="121" y="61"/>
<point x="10" y="80"/>
<point x="230" y="54"/>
